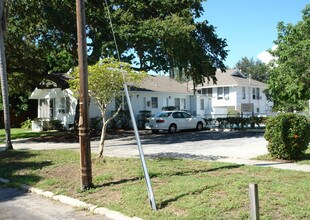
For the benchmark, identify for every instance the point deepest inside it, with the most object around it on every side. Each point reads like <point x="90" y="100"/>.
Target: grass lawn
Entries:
<point x="304" y="160"/>
<point x="21" y="133"/>
<point x="184" y="189"/>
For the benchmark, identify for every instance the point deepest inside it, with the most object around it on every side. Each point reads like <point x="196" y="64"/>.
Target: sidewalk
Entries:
<point x="260" y="163"/>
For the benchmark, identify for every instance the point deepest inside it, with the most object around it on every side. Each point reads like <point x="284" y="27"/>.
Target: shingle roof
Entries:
<point x="232" y="77"/>
<point x="162" y="84"/>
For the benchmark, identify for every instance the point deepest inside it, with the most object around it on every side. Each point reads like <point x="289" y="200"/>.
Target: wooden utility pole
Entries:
<point x="86" y="170"/>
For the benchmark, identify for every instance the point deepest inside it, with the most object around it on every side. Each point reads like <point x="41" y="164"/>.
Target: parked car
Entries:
<point x="172" y="121"/>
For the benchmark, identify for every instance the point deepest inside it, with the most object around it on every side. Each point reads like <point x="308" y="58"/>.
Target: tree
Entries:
<point x="163" y="35"/>
<point x="289" y="81"/>
<point x="3" y="75"/>
<point x="258" y="70"/>
<point x="106" y="81"/>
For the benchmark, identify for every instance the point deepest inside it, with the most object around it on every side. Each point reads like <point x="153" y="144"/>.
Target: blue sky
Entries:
<point x="250" y="26"/>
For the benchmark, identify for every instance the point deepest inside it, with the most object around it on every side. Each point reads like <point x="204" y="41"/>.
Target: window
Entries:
<point x="177" y="115"/>
<point x="183" y="104"/>
<point x="154" y="102"/>
<point x="209" y="92"/>
<point x="253" y="93"/>
<point x="256" y="93"/>
<point x="177" y="103"/>
<point x="64" y="105"/>
<point x="186" y="115"/>
<point x="223" y="92"/>
<point x="52" y="108"/>
<point x="202" y="104"/>
<point x="220" y="93"/>
<point x="43" y="108"/>
<point x="226" y="93"/>
<point x="243" y="93"/>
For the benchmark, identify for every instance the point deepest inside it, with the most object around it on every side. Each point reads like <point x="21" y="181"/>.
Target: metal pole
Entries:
<point x="144" y="167"/>
<point x="85" y="157"/>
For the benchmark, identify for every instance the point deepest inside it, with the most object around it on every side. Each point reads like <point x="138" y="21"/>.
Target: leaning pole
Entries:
<point x="84" y="139"/>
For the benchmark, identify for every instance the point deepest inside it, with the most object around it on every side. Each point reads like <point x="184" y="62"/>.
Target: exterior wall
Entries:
<point x="260" y="105"/>
<point x="141" y="100"/>
<point x="55" y="107"/>
<point x="215" y="107"/>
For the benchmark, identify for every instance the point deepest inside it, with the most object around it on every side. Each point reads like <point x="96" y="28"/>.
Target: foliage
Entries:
<point x="288" y="135"/>
<point x="183" y="189"/>
<point x="289" y="81"/>
<point x="106" y="80"/>
<point x="52" y="125"/>
<point x="233" y="112"/>
<point x="26" y="124"/>
<point x="106" y="83"/>
<point x="95" y="123"/>
<point x="235" y="121"/>
<point x="122" y="120"/>
<point x="163" y="34"/>
<point x="256" y="68"/>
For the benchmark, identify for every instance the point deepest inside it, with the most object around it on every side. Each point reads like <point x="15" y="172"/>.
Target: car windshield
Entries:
<point x="163" y="115"/>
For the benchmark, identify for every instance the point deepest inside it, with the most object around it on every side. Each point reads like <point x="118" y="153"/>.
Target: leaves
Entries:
<point x="289" y="83"/>
<point x="106" y="79"/>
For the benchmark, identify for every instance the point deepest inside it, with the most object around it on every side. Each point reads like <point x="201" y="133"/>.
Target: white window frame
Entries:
<point x="220" y="93"/>
<point x="202" y="104"/>
<point x="154" y="102"/>
<point x="243" y="93"/>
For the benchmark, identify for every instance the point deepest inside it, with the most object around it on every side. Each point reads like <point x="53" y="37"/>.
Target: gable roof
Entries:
<point x="232" y="77"/>
<point x="162" y="84"/>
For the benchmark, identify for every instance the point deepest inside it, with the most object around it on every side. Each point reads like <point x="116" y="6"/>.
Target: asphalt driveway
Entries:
<point x="185" y="144"/>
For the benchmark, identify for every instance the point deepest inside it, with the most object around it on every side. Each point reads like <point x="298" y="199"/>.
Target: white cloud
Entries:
<point x="265" y="56"/>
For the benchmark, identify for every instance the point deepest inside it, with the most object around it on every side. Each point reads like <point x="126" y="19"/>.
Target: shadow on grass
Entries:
<point x="13" y="161"/>
<point x="165" y="203"/>
<point x="178" y="173"/>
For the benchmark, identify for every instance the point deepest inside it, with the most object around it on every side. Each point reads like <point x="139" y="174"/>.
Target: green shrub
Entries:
<point x="288" y="135"/>
<point x="26" y="124"/>
<point x="233" y="113"/>
<point x="53" y="125"/>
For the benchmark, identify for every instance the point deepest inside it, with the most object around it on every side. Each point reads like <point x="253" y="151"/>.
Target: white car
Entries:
<point x="172" y="121"/>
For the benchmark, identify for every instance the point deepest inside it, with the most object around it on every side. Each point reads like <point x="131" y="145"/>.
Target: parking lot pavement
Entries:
<point x="208" y="145"/>
<point x="188" y="144"/>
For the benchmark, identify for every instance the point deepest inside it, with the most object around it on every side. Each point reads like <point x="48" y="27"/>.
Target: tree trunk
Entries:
<point x="102" y="138"/>
<point x="4" y="81"/>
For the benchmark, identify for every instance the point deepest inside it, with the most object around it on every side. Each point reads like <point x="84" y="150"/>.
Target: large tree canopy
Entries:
<point x="258" y="70"/>
<point x="159" y="35"/>
<point x="289" y="82"/>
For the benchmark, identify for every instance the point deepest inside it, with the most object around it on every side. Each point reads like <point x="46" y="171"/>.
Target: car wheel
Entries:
<point x="155" y="131"/>
<point x="172" y="128"/>
<point x="199" y="126"/>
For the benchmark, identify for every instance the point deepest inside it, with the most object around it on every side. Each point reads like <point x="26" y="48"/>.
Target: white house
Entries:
<point x="154" y="93"/>
<point x="232" y="91"/>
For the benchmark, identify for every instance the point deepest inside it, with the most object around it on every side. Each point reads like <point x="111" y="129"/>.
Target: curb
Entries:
<point x="75" y="203"/>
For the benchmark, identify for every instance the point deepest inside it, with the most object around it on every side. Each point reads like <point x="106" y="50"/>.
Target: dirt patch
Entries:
<point x="73" y="137"/>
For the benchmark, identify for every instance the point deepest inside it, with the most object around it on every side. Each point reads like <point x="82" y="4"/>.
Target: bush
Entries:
<point x="53" y="125"/>
<point x="288" y="135"/>
<point x="95" y="123"/>
<point x="26" y="124"/>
